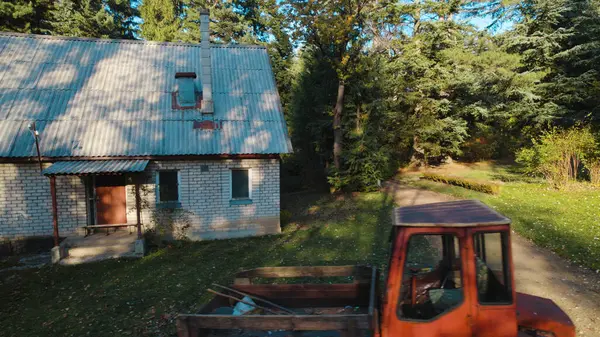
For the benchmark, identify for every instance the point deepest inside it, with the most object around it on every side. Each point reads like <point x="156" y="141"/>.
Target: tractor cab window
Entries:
<point x="492" y="265"/>
<point x="431" y="280"/>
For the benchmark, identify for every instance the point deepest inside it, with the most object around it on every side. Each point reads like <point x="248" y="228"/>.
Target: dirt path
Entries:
<point x="538" y="271"/>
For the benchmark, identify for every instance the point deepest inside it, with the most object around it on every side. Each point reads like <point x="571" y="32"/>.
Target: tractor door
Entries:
<point x="426" y="285"/>
<point x="493" y="293"/>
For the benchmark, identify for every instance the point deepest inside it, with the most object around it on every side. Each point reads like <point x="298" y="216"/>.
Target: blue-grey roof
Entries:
<point x="83" y="167"/>
<point x="99" y="98"/>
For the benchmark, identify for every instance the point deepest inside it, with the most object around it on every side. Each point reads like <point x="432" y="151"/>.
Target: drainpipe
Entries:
<point x="36" y="136"/>
<point x="56" y="253"/>
<point x="138" y="206"/>
<point x="54" y="210"/>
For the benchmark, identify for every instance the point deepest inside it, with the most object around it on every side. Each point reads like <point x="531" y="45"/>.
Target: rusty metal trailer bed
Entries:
<point x="332" y="300"/>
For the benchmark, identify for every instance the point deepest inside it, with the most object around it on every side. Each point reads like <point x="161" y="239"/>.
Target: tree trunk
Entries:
<point x="337" y="126"/>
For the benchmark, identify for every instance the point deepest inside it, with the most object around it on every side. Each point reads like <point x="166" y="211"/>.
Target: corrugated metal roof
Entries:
<point x="97" y="97"/>
<point x="462" y="213"/>
<point x="83" y="167"/>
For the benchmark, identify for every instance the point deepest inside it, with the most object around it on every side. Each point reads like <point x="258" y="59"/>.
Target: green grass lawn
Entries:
<point x="567" y="222"/>
<point x="141" y="297"/>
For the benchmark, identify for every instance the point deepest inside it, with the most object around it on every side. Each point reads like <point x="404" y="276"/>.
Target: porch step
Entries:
<point x="99" y="247"/>
<point x="114" y="250"/>
<point x="100" y="239"/>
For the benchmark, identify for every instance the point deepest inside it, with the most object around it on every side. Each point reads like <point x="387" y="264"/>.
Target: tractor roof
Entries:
<point x="463" y="213"/>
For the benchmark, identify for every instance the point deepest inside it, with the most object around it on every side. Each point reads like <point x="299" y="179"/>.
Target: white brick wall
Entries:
<point x="25" y="202"/>
<point x="207" y="196"/>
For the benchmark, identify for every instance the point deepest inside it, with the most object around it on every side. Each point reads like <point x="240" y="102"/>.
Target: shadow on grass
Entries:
<point x="142" y="297"/>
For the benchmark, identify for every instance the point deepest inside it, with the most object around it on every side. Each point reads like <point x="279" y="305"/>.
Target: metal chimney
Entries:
<point x="207" y="100"/>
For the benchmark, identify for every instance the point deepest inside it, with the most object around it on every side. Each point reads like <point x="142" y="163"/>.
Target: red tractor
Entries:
<point x="450" y="274"/>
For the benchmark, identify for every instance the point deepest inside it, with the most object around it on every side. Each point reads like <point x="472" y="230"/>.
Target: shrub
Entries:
<point x="285" y="217"/>
<point x="594" y="169"/>
<point x="478" y="186"/>
<point x="478" y="149"/>
<point x="558" y="155"/>
<point x="169" y="224"/>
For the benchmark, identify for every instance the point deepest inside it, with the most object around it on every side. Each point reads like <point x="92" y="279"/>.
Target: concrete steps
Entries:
<point x="98" y="247"/>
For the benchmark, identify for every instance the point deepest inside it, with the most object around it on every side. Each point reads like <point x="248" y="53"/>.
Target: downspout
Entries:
<point x="54" y="210"/>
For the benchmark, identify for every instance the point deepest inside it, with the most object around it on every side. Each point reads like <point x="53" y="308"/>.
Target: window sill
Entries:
<point x="240" y="202"/>
<point x="168" y="204"/>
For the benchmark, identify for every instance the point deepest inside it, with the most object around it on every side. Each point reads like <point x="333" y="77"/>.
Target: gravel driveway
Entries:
<point x="538" y="271"/>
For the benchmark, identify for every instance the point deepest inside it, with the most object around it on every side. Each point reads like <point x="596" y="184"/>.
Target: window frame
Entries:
<point x="231" y="198"/>
<point x="172" y="203"/>
<point x="508" y="277"/>
<point x="457" y="235"/>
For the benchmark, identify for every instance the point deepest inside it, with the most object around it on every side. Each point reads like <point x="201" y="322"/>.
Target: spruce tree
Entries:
<point x="25" y="16"/>
<point x="93" y="18"/>
<point x="160" y="20"/>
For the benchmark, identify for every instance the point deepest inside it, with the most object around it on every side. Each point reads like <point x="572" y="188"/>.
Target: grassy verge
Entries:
<point x="142" y="297"/>
<point x="567" y="222"/>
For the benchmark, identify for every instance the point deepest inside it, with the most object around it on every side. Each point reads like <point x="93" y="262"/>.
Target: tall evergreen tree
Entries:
<point x="93" y="18"/>
<point x="179" y="20"/>
<point x="160" y="20"/>
<point x="25" y="16"/>
<point x="336" y="29"/>
<point x="561" y="39"/>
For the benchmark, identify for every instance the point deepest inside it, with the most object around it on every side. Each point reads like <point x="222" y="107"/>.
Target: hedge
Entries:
<point x="465" y="183"/>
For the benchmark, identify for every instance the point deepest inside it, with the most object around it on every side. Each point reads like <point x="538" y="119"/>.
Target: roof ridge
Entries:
<point x="125" y="41"/>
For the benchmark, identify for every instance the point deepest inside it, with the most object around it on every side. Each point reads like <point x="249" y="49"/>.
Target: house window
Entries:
<point x="241" y="180"/>
<point x="186" y="89"/>
<point x="168" y="187"/>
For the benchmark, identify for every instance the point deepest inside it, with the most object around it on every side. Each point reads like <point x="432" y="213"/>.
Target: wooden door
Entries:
<point x="111" y="207"/>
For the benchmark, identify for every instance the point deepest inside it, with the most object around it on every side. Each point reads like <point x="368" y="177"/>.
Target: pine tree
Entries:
<point x="561" y="39"/>
<point x="25" y="16"/>
<point x="93" y="18"/>
<point x="160" y="20"/>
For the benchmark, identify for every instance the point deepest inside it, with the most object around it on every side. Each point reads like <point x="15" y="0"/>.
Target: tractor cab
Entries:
<point x="451" y="273"/>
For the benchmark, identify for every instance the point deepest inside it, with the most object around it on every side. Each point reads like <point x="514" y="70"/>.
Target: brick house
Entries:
<point x="196" y="127"/>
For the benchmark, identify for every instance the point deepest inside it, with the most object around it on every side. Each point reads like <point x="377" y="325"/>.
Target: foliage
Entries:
<point x="479" y="147"/>
<point x="168" y="224"/>
<point x="594" y="169"/>
<point x="335" y="28"/>
<point x="93" y="18"/>
<point x="25" y="16"/>
<point x="180" y="21"/>
<point x="558" y="155"/>
<point x="561" y="39"/>
<point x="142" y="297"/>
<point x="285" y="217"/>
<point x="160" y="20"/>
<point x="369" y="85"/>
<point x="81" y="18"/>
<point x="478" y="186"/>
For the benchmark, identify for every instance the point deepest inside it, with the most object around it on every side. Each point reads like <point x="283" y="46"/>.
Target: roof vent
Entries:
<point x="186" y="96"/>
